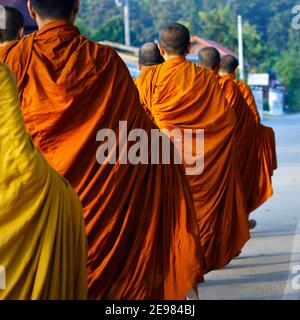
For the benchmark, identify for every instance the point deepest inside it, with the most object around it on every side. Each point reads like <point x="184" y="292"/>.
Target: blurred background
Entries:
<point x="271" y="46"/>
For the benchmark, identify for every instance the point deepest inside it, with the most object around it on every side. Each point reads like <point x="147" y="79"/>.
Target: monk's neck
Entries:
<point x="228" y="75"/>
<point x="45" y="22"/>
<point x="174" y="57"/>
<point x="215" y="72"/>
<point x="3" y="44"/>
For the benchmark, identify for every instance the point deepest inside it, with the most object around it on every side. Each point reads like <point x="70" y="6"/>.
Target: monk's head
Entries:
<point x="11" y="24"/>
<point x="174" y="41"/>
<point x="229" y="65"/>
<point x="210" y="58"/>
<point x="46" y="11"/>
<point x="149" y="55"/>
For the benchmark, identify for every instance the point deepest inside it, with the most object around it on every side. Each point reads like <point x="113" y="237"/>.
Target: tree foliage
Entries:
<point x="269" y="41"/>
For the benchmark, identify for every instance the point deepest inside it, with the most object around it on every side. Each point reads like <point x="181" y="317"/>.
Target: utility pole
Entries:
<point x="241" y="50"/>
<point x="127" y="22"/>
<point x="126" y="13"/>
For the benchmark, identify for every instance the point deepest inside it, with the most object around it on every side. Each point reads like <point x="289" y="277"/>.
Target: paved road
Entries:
<point x="264" y="269"/>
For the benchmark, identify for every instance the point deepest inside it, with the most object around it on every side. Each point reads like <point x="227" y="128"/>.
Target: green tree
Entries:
<point x="84" y="29"/>
<point x="112" y="29"/>
<point x="220" y="25"/>
<point x="268" y="38"/>
<point x="288" y="66"/>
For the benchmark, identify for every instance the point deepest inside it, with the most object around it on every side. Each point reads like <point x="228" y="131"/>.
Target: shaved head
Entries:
<point x="14" y="23"/>
<point x="54" y="9"/>
<point x="174" y="38"/>
<point x="209" y="57"/>
<point x="229" y="64"/>
<point x="149" y="55"/>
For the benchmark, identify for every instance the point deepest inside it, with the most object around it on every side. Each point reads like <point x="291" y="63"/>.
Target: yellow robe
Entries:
<point x="42" y="232"/>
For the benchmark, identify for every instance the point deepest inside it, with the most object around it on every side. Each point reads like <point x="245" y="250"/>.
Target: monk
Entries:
<point x="43" y="246"/>
<point x="12" y="28"/>
<point x="149" y="55"/>
<point x="257" y="177"/>
<point x="140" y="218"/>
<point x="246" y="128"/>
<point x="182" y="96"/>
<point x="210" y="58"/>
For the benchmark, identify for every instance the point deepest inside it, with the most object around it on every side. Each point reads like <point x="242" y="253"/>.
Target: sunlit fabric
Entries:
<point x="43" y="243"/>
<point x="264" y="137"/>
<point x="182" y="96"/>
<point x="140" y="219"/>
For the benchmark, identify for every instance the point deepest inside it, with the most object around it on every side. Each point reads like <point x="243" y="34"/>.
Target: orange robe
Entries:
<point x="5" y="48"/>
<point x="267" y="159"/>
<point x="248" y="141"/>
<point x="183" y="96"/>
<point x="140" y="219"/>
<point x="249" y="98"/>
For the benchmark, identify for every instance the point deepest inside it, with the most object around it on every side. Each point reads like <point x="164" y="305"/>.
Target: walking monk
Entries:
<point x="256" y="142"/>
<point x="43" y="247"/>
<point x="247" y="130"/>
<point x="149" y="55"/>
<point x="140" y="219"/>
<point x="183" y="96"/>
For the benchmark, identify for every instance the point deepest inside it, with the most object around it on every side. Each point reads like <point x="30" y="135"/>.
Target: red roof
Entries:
<point x="21" y="5"/>
<point x="199" y="43"/>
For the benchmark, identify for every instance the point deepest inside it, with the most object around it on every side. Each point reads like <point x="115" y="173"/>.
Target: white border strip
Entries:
<point x="295" y="253"/>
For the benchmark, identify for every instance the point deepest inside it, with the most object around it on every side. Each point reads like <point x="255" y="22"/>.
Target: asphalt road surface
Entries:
<point x="269" y="266"/>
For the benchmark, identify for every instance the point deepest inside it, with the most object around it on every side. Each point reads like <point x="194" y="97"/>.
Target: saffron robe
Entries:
<point x="183" y="96"/>
<point x="254" y="171"/>
<point x="267" y="158"/>
<point x="140" y="219"/>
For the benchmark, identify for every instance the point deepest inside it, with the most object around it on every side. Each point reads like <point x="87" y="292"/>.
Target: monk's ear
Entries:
<point x="20" y="34"/>
<point x="31" y="10"/>
<point x="76" y="6"/>
<point x="189" y="48"/>
<point x="161" y="50"/>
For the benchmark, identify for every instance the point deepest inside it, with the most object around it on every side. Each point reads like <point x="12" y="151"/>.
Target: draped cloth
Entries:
<point x="254" y="172"/>
<point x="267" y="158"/>
<point x="140" y="219"/>
<point x="5" y="48"/>
<point x="249" y="98"/>
<point x="183" y="96"/>
<point x="43" y="245"/>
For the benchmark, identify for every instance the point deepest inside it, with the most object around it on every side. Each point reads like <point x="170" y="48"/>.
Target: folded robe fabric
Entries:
<point x="267" y="159"/>
<point x="43" y="245"/>
<point x="141" y="223"/>
<point x="183" y="96"/>
<point x="254" y="163"/>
